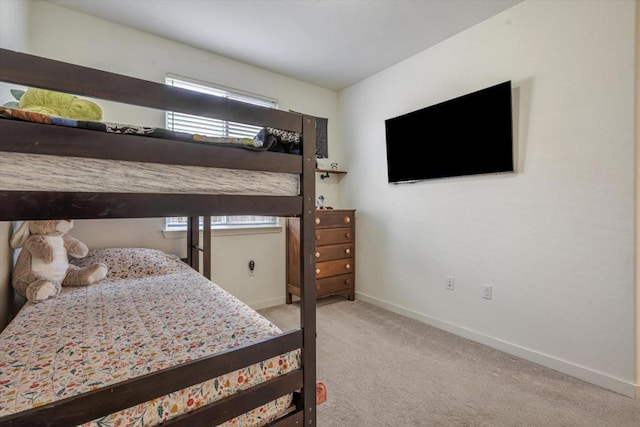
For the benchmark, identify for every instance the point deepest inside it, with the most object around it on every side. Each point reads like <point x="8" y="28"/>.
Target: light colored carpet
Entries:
<point x="382" y="369"/>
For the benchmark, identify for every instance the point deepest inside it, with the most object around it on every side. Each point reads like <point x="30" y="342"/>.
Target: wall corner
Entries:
<point x="637" y="195"/>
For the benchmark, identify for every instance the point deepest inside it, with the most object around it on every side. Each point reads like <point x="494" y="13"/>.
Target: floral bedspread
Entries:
<point x="127" y="326"/>
<point x="267" y="139"/>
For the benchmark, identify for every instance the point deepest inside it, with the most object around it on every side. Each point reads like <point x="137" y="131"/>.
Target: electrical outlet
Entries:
<point x="252" y="268"/>
<point x="451" y="283"/>
<point x="487" y="291"/>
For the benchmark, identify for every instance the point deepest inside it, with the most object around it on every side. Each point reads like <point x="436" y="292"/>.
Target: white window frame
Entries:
<point x="216" y="127"/>
<point x="225" y="221"/>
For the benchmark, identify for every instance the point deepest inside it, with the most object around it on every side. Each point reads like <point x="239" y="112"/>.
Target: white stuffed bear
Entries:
<point x="43" y="265"/>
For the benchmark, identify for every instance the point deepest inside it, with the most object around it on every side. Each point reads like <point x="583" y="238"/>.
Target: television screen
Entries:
<point x="468" y="135"/>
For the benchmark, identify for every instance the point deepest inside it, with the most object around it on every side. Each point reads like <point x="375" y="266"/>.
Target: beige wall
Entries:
<point x="13" y="24"/>
<point x="637" y="253"/>
<point x="555" y="239"/>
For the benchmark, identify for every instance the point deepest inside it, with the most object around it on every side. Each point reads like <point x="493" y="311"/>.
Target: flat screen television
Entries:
<point x="468" y="135"/>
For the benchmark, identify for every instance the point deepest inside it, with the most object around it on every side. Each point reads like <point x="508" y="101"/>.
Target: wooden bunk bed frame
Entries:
<point x="26" y="137"/>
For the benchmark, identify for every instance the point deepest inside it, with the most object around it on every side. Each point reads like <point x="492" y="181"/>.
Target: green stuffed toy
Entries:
<point x="57" y="104"/>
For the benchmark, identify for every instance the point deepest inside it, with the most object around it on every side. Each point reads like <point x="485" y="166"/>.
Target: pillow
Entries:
<point x="127" y="263"/>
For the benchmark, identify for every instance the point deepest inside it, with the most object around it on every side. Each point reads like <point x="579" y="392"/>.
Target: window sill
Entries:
<point x="226" y="230"/>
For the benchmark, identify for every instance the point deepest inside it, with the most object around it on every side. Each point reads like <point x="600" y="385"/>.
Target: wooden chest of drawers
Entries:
<point x="334" y="254"/>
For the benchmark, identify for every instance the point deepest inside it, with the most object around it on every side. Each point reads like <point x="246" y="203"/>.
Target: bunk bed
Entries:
<point x="55" y="199"/>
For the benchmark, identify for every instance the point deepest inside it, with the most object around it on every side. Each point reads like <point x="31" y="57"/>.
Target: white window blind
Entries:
<point x="215" y="127"/>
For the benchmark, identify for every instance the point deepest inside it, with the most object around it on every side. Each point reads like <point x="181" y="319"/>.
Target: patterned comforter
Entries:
<point x="268" y="139"/>
<point x="151" y="312"/>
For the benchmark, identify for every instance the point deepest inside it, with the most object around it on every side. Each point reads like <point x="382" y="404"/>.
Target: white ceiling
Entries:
<point x="331" y="43"/>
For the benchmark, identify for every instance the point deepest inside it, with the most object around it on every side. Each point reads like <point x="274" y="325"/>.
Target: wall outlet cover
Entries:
<point x="450" y="283"/>
<point x="487" y="291"/>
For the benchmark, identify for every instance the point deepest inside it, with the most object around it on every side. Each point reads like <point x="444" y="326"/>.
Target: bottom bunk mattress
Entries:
<point x="150" y="313"/>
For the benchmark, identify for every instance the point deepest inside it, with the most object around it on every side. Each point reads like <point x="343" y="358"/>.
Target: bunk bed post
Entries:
<point x="193" y="241"/>
<point x="206" y="247"/>
<point x="193" y="244"/>
<point x="308" y="288"/>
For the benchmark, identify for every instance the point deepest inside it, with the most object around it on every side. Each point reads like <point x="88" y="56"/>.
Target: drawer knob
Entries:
<point x="317" y="271"/>
<point x="347" y="251"/>
<point x="348" y="266"/>
<point x="347" y="281"/>
<point x="347" y="235"/>
<point x="317" y="237"/>
<point x="317" y="254"/>
<point x="347" y="220"/>
<point x="317" y="220"/>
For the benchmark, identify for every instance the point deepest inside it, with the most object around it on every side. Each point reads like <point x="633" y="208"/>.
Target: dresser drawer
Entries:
<point x="334" y="285"/>
<point x="327" y="253"/>
<point x="332" y="219"/>
<point x="333" y="268"/>
<point x="331" y="236"/>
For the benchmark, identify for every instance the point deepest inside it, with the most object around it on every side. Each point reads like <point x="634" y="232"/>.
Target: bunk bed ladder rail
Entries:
<point x="307" y="270"/>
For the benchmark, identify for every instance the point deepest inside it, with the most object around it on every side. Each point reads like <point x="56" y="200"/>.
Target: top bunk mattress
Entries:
<point x="150" y="313"/>
<point x="40" y="172"/>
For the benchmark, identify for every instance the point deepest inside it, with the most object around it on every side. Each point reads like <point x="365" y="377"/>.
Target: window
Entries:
<point x="216" y="127"/>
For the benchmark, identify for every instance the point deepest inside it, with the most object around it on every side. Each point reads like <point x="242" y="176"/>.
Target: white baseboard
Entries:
<point x="266" y="303"/>
<point x="566" y="367"/>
